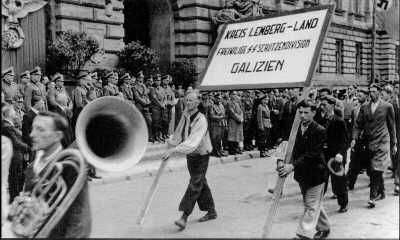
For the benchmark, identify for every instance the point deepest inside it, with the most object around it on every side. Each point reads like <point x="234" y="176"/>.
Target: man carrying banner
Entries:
<point x="192" y="138"/>
<point x="310" y="172"/>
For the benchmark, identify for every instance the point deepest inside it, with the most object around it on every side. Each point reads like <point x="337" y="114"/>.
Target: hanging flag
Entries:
<point x="387" y="17"/>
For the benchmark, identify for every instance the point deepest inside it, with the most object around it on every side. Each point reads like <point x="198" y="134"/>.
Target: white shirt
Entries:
<point x="374" y="105"/>
<point x="40" y="163"/>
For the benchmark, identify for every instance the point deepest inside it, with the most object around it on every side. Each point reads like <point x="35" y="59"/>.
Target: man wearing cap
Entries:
<point x="25" y="79"/>
<point x="79" y="97"/>
<point x="35" y="89"/>
<point x="126" y="88"/>
<point x="217" y="125"/>
<point x="376" y="119"/>
<point x="142" y="101"/>
<point x="9" y="87"/>
<point x="359" y="159"/>
<point x="335" y="150"/>
<point x="169" y="103"/>
<point x="55" y="93"/>
<point x="97" y="84"/>
<point x="235" y="123"/>
<point x="111" y="88"/>
<point x="158" y="100"/>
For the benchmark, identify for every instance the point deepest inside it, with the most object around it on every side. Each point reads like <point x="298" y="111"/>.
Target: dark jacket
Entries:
<point x="308" y="158"/>
<point x="336" y="138"/>
<point x="16" y="175"/>
<point x="76" y="222"/>
<point x="27" y="121"/>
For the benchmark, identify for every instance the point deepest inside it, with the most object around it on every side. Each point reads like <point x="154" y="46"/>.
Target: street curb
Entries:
<point x="175" y="164"/>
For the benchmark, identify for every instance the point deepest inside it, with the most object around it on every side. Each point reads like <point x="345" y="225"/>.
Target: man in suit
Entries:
<point x="47" y="133"/>
<point x="359" y="160"/>
<point x="310" y="172"/>
<point x="192" y="137"/>
<point x="376" y="119"/>
<point x="16" y="175"/>
<point x="336" y="145"/>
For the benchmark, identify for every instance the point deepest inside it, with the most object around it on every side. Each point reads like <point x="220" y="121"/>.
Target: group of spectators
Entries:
<point x="239" y="120"/>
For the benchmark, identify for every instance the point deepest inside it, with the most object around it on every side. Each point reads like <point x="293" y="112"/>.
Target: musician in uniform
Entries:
<point x="47" y="133"/>
<point x="126" y="88"/>
<point x="8" y="86"/>
<point x="217" y="125"/>
<point x="191" y="137"/>
<point x="310" y="172"/>
<point x="142" y="101"/>
<point x="376" y="119"/>
<point x="35" y="89"/>
<point x="158" y="99"/>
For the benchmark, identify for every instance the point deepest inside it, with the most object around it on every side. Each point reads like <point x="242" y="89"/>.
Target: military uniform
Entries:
<point x="157" y="97"/>
<point x="9" y="87"/>
<point x="142" y="101"/>
<point x="217" y="126"/>
<point x="79" y="98"/>
<point x="126" y="88"/>
<point x="169" y="104"/>
<point x="235" y="126"/>
<point x="35" y="91"/>
<point x="247" y="104"/>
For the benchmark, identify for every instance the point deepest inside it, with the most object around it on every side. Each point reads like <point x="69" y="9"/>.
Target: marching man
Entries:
<point x="192" y="138"/>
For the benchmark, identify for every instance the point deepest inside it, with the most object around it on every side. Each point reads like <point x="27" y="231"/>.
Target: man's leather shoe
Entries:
<point x="321" y="234"/>
<point x="342" y="209"/>
<point x="396" y="190"/>
<point x="208" y="216"/>
<point x="371" y="204"/>
<point x="181" y="223"/>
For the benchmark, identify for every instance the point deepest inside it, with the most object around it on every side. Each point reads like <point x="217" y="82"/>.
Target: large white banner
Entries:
<point x="278" y="51"/>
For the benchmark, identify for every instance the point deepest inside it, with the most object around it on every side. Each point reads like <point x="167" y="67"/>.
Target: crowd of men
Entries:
<point x="237" y="120"/>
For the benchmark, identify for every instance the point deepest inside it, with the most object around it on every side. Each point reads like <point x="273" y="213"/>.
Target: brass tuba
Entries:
<point x="111" y="134"/>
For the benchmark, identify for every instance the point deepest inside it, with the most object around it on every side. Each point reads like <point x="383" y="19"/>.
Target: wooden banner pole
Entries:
<point x="273" y="210"/>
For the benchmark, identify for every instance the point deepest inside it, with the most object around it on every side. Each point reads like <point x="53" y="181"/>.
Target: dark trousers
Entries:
<point x="198" y="189"/>
<point x="217" y="133"/>
<point x="247" y="133"/>
<point x="262" y="139"/>
<point x="147" y="117"/>
<point x="339" y="188"/>
<point x="359" y="161"/>
<point x="376" y="184"/>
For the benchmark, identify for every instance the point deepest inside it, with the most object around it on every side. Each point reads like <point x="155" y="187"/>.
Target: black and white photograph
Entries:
<point x="234" y="119"/>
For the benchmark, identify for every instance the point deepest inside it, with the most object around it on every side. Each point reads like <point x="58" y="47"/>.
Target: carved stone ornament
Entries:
<point x="13" y="11"/>
<point x="239" y="9"/>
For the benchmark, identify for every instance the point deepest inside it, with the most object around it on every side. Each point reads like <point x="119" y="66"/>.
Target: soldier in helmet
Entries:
<point x="35" y="89"/>
<point x="8" y="86"/>
<point x="142" y="101"/>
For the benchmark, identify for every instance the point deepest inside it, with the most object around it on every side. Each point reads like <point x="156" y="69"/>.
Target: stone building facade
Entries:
<point x="184" y="29"/>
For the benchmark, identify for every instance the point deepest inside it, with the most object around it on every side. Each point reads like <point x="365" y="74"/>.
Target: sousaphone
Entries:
<point x="111" y="135"/>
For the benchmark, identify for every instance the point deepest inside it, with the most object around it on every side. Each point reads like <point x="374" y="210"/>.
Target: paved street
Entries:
<point x="242" y="202"/>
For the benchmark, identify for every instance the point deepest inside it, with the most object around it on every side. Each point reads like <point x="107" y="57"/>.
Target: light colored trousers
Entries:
<point x="314" y="216"/>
